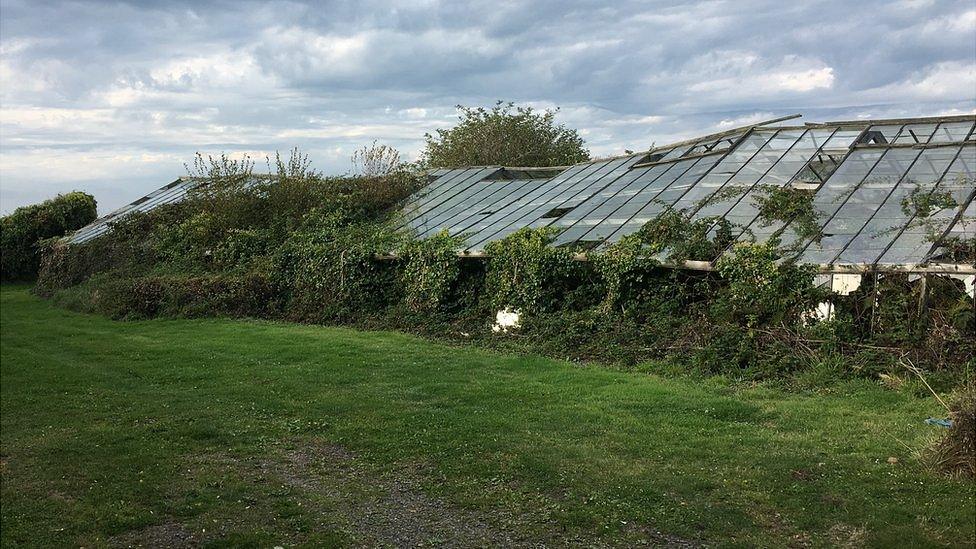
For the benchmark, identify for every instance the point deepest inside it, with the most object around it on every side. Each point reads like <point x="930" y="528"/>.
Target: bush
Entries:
<point x="761" y="290"/>
<point x="526" y="272"/>
<point x="504" y="135"/>
<point x="22" y="231"/>
<point x="429" y="270"/>
<point x="328" y="267"/>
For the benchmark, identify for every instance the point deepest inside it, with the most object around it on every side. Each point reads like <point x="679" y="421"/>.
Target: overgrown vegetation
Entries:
<point x="782" y="205"/>
<point x="429" y="269"/>
<point x="527" y="273"/>
<point x="297" y="245"/>
<point x="504" y="135"/>
<point x="955" y="452"/>
<point x="22" y="233"/>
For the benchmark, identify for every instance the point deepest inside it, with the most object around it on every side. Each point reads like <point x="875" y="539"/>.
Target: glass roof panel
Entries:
<point x="918" y="235"/>
<point x="842" y="139"/>
<point x="435" y="204"/>
<point x="604" y="220"/>
<point x="889" y="131"/>
<point x="915" y="134"/>
<point x="665" y="199"/>
<point x="952" y="131"/>
<point x="861" y="204"/>
<point x="553" y="198"/>
<point x="498" y="194"/>
<point x="838" y="188"/>
<point x="762" y="168"/>
<point x="894" y="212"/>
<point x="504" y="218"/>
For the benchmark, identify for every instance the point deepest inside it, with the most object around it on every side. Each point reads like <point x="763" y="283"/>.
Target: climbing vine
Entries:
<point x="782" y="205"/>
<point x="760" y="289"/>
<point x="526" y="272"/>
<point x="429" y="269"/>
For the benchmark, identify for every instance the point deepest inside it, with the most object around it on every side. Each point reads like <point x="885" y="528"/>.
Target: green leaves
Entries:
<point x="761" y="290"/>
<point x="504" y="135"/>
<point x="526" y="272"/>
<point x="789" y="205"/>
<point x="429" y="268"/>
<point x="21" y="231"/>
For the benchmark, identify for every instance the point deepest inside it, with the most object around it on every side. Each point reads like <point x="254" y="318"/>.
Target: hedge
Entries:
<point x="22" y="231"/>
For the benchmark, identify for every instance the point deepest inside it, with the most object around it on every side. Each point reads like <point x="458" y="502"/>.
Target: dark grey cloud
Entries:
<point x="114" y="96"/>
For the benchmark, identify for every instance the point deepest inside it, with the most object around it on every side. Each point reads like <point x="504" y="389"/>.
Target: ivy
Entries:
<point x="623" y="267"/>
<point x="429" y="269"/>
<point x="789" y="205"/>
<point x="329" y="268"/>
<point x="526" y="272"/>
<point x="760" y="289"/>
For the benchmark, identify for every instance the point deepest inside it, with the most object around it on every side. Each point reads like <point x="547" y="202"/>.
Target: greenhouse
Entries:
<point x="886" y="195"/>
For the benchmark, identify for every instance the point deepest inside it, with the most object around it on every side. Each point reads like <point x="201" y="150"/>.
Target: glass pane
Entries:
<point x="645" y="189"/>
<point x="952" y="131"/>
<point x="896" y="210"/>
<point x="460" y="219"/>
<point x="504" y="218"/>
<point x="838" y="188"/>
<point x="554" y="195"/>
<point x="915" y="133"/>
<point x="417" y="214"/>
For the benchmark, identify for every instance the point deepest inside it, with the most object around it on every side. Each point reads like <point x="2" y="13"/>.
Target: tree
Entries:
<point x="21" y="231"/>
<point x="504" y="135"/>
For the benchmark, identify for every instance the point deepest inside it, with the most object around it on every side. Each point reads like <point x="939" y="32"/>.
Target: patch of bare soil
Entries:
<point x="389" y="508"/>
<point x="392" y="509"/>
<point x="168" y="534"/>
<point x="385" y="509"/>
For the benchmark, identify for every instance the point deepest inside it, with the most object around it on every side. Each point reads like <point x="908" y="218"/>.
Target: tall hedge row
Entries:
<point x="315" y="249"/>
<point x="22" y="231"/>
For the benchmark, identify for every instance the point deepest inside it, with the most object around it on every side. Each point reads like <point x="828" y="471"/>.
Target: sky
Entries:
<point x="113" y="98"/>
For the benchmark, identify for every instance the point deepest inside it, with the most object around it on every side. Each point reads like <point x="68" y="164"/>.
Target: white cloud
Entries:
<point x="802" y="81"/>
<point x="117" y="92"/>
<point x="738" y="75"/>
<point x="948" y="80"/>
<point x="739" y="121"/>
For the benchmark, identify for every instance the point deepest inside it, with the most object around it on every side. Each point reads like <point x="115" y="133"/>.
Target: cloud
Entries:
<point x="939" y="81"/>
<point x="115" y="96"/>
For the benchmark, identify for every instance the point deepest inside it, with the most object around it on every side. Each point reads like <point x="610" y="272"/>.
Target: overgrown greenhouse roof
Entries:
<point x="888" y="194"/>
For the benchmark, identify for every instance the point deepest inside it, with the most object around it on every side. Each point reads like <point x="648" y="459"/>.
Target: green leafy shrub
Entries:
<point x="526" y="272"/>
<point x="626" y="270"/>
<point x="761" y="290"/>
<point x="679" y="237"/>
<point x="504" y="135"/>
<point x="329" y="270"/>
<point x="21" y="231"/>
<point x="787" y="205"/>
<point x="630" y="268"/>
<point x="429" y="269"/>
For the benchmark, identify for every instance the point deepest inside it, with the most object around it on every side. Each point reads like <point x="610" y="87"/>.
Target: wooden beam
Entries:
<point x="922" y="120"/>
<point x="724" y="133"/>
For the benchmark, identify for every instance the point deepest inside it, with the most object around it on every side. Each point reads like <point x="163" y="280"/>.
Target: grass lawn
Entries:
<point x="227" y="432"/>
